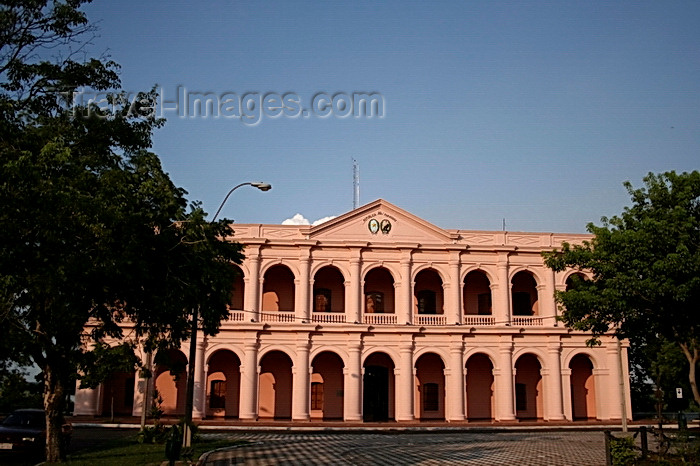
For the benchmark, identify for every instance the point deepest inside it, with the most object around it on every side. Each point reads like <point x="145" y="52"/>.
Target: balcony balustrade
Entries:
<point x="430" y="319"/>
<point x="277" y="317"/>
<point x="526" y="321"/>
<point x="328" y="317"/>
<point x="380" y="319"/>
<point x="479" y="320"/>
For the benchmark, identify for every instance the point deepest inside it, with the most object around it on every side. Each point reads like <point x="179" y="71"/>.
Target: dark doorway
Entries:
<point x="376" y="391"/>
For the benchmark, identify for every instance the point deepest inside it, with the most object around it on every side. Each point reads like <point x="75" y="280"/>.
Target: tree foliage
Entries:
<point x="93" y="232"/>
<point x="644" y="267"/>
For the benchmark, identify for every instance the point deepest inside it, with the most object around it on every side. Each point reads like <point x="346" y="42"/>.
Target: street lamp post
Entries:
<point x="187" y="433"/>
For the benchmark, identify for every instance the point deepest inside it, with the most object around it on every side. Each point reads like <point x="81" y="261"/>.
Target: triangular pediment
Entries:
<point x="380" y="221"/>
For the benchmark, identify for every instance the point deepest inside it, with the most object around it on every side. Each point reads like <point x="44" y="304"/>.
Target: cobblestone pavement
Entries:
<point x="497" y="448"/>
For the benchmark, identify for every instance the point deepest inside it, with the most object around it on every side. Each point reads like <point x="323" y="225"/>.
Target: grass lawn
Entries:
<point x="127" y="450"/>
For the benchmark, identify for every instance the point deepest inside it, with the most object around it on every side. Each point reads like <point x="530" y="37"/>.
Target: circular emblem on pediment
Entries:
<point x="373" y="226"/>
<point x="385" y="226"/>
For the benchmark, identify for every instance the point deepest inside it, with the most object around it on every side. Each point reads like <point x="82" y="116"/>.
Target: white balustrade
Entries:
<point x="328" y="317"/>
<point x="479" y="320"/>
<point x="380" y="319"/>
<point x="430" y="319"/>
<point x="526" y="321"/>
<point x="277" y="316"/>
<point x="236" y="316"/>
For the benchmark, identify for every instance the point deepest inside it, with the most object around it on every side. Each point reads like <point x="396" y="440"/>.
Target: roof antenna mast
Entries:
<point x="355" y="184"/>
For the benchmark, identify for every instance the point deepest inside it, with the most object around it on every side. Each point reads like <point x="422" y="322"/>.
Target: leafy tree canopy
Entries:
<point x="93" y="233"/>
<point x="644" y="269"/>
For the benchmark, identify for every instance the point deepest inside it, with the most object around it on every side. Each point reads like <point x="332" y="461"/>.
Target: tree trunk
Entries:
<point x="693" y="357"/>
<point x="54" y="404"/>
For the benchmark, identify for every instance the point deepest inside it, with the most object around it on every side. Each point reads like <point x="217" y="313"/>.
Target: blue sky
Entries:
<point x="535" y="112"/>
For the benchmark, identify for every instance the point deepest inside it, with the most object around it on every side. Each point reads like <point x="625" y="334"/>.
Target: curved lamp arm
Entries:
<point x="260" y="185"/>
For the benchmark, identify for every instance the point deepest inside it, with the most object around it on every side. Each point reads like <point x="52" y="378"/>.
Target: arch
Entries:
<point x="524" y="296"/>
<point x="480" y="387"/>
<point x="171" y="381"/>
<point x="275" y="386"/>
<point x="378" y="387"/>
<point x="278" y="289"/>
<point x="266" y="265"/>
<point x="488" y="352"/>
<point x="476" y="293"/>
<point x="328" y="290"/>
<point x="418" y="268"/>
<point x="327" y="385"/>
<point x="223" y="383"/>
<point x="238" y="291"/>
<point x="367" y="267"/>
<point x="583" y="393"/>
<point x="428" y="294"/>
<point x="318" y="264"/>
<point x="490" y="274"/>
<point x="379" y="291"/>
<point x="570" y="280"/>
<point x="439" y="351"/>
<point x="566" y="359"/>
<point x="430" y="386"/>
<point x="529" y="399"/>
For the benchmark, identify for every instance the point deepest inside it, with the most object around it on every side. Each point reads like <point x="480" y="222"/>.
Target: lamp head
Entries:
<point x="262" y="186"/>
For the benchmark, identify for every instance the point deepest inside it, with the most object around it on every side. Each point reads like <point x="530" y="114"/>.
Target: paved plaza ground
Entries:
<point x="464" y="448"/>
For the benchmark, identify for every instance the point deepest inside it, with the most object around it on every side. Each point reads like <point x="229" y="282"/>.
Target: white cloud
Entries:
<point x="323" y="220"/>
<point x="299" y="219"/>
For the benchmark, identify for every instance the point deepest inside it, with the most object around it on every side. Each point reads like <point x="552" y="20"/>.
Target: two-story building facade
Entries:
<point x="379" y="315"/>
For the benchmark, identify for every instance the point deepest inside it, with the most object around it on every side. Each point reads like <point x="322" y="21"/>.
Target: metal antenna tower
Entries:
<point x="355" y="184"/>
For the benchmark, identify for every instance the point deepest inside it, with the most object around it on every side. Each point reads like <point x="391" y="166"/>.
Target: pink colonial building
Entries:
<point x="379" y="315"/>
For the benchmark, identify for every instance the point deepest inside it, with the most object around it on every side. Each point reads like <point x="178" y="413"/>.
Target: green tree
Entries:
<point x="645" y="270"/>
<point x="95" y="237"/>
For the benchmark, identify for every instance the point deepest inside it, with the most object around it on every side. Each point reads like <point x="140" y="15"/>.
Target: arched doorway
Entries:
<point x="428" y="293"/>
<point x="118" y="394"/>
<point x="528" y="388"/>
<point x="329" y="290"/>
<point x="170" y="377"/>
<point x="430" y="387"/>
<point x="379" y="291"/>
<point x="524" y="294"/>
<point x="278" y="290"/>
<point x="327" y="386"/>
<point x="275" y="386"/>
<point x="477" y="294"/>
<point x="237" y="295"/>
<point x="378" y="388"/>
<point x="480" y="388"/>
<point x="223" y="384"/>
<point x="583" y="396"/>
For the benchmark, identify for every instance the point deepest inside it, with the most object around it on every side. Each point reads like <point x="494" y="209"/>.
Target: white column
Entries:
<point x="249" y="380"/>
<point x="612" y="394"/>
<point x="505" y="400"/>
<point x="502" y="292"/>
<point x="455" y="291"/>
<point x="566" y="382"/>
<point x="404" y="303"/>
<point x="457" y="392"/>
<point x="404" y="383"/>
<point x="354" y="311"/>
<point x="300" y="383"/>
<point x="86" y="401"/>
<point x="555" y="395"/>
<point x="352" y="409"/>
<point x="200" y="389"/>
<point x="252" y="292"/>
<point x="302" y="305"/>
<point x="549" y="306"/>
